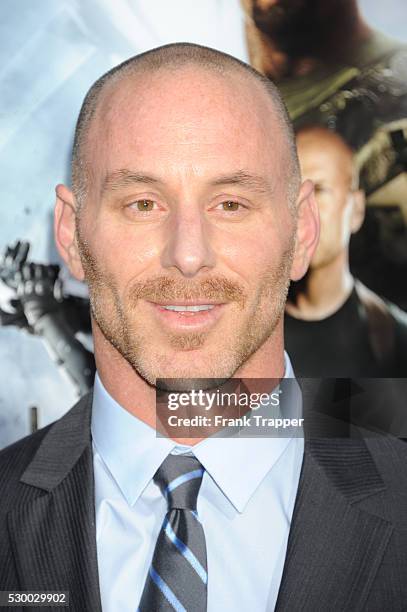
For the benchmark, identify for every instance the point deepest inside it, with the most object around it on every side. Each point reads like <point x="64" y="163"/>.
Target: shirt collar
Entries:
<point x="129" y="447"/>
<point x="238" y="465"/>
<point x="133" y="453"/>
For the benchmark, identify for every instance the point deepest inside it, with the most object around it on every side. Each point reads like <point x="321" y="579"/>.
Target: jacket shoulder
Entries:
<point x="389" y="449"/>
<point x="390" y="456"/>
<point x="46" y="448"/>
<point x="15" y="457"/>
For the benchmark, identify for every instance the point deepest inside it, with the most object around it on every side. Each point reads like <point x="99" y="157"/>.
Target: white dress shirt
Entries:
<point x="245" y="504"/>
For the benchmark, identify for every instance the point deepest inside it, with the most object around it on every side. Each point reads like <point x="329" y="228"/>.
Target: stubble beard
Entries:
<point x="115" y="319"/>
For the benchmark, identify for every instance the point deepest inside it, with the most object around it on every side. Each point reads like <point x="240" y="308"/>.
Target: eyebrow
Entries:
<point x="122" y="178"/>
<point x="125" y="178"/>
<point x="254" y="182"/>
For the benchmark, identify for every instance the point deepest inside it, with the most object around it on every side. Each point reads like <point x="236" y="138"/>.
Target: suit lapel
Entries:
<point x="335" y="545"/>
<point x="53" y="536"/>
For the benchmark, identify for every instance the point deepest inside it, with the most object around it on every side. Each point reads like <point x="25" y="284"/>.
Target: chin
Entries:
<point x="187" y="370"/>
<point x="189" y="383"/>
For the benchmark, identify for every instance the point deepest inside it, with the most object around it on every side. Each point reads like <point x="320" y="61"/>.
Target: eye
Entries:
<point x="321" y="189"/>
<point x="230" y="206"/>
<point x="143" y="205"/>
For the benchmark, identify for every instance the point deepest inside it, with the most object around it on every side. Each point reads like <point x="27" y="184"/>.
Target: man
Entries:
<point x="334" y="325"/>
<point x="188" y="220"/>
<point x="333" y="69"/>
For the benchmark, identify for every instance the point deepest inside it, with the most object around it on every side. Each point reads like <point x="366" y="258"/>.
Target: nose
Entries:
<point x="188" y="247"/>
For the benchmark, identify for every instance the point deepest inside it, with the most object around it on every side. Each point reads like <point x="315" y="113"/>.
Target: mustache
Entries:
<point x="165" y="288"/>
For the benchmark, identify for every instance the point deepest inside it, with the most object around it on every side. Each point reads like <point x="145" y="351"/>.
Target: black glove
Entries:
<point x="12" y="261"/>
<point x="39" y="290"/>
<point x="11" y="309"/>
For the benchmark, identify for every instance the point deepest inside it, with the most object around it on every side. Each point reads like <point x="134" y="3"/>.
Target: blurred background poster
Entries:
<point x="342" y="68"/>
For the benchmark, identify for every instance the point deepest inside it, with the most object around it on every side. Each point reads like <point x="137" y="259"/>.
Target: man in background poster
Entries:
<point x="334" y="69"/>
<point x="334" y="325"/>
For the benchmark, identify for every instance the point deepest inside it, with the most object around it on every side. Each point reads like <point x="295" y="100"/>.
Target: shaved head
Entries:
<point x="168" y="59"/>
<point x="331" y="143"/>
<point x="328" y="161"/>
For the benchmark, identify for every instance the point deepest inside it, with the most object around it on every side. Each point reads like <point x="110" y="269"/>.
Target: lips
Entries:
<point x="186" y="308"/>
<point x="181" y="316"/>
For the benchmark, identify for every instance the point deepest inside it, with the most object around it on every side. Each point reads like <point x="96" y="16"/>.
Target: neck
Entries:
<point x="327" y="288"/>
<point x="138" y="397"/>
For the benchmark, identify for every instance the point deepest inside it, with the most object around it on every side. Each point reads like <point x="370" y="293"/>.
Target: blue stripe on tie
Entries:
<point x="182" y="479"/>
<point x="186" y="552"/>
<point x="166" y="591"/>
<point x="195" y="514"/>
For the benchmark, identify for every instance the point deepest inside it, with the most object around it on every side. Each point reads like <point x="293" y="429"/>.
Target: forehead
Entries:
<point x="186" y="115"/>
<point x="324" y="152"/>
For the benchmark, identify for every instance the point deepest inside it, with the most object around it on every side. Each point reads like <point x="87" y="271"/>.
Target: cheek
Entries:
<point x="331" y="222"/>
<point x="252" y="254"/>
<point x="124" y="250"/>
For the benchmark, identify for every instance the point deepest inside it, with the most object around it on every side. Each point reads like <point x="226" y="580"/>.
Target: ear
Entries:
<point x="358" y="210"/>
<point x="307" y="234"/>
<point x="65" y="230"/>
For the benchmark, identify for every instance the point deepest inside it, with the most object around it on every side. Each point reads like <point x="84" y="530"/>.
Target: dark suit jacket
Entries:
<point x="347" y="548"/>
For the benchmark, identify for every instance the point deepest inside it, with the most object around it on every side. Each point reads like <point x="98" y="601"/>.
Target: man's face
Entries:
<point x="327" y="161"/>
<point x="299" y="28"/>
<point x="186" y="237"/>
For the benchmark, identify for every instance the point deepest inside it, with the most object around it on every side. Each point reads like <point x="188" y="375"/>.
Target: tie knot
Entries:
<point x="179" y="479"/>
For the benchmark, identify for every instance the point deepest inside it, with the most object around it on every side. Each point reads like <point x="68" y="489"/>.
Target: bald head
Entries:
<point x="328" y="148"/>
<point x="169" y="61"/>
<point x="329" y="162"/>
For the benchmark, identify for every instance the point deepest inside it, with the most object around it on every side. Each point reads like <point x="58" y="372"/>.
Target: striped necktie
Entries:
<point x="177" y="579"/>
